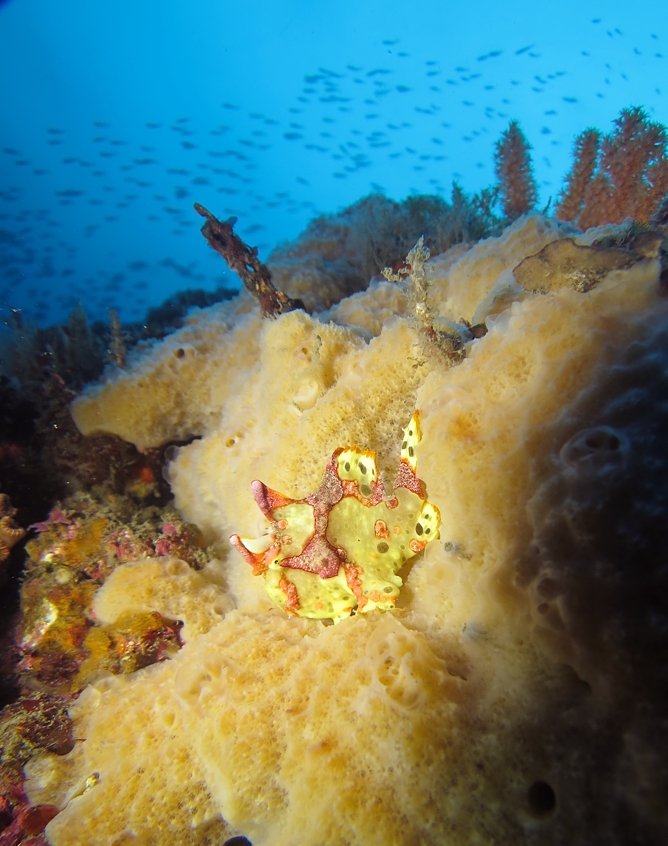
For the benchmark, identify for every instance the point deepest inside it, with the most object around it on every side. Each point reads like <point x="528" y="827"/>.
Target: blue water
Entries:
<point x="116" y="117"/>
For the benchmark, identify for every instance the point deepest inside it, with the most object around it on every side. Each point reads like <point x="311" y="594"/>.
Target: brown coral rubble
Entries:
<point x="10" y="532"/>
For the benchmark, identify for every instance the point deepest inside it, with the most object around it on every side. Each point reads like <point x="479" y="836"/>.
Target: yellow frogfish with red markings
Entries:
<point x="339" y="549"/>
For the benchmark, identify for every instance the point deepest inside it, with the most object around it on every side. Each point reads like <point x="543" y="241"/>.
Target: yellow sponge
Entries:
<point x="168" y="586"/>
<point x="513" y="690"/>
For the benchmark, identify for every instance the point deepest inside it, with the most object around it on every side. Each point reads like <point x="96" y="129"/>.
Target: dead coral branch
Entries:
<point x="118" y="350"/>
<point x="244" y="261"/>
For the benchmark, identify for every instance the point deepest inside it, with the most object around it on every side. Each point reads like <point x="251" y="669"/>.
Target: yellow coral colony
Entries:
<point x="514" y="694"/>
<point x="341" y="547"/>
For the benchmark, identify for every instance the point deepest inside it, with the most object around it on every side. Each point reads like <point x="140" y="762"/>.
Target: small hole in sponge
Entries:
<point x="168" y="719"/>
<point x="238" y="841"/>
<point x="596" y="447"/>
<point x="602" y="439"/>
<point x="542" y="799"/>
<point x="176" y="567"/>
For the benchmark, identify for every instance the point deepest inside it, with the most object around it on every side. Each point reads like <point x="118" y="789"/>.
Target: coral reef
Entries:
<point x="515" y="691"/>
<point x="75" y="352"/>
<point x="624" y="174"/>
<point x="28" y="726"/>
<point x="224" y="357"/>
<point x="10" y="532"/>
<point x="74" y="626"/>
<point x="337" y="255"/>
<point x="163" y="319"/>
<point x="59" y="641"/>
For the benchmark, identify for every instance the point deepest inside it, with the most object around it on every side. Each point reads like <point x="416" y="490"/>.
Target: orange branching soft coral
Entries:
<point x="513" y="170"/>
<point x="630" y="178"/>
<point x="585" y="159"/>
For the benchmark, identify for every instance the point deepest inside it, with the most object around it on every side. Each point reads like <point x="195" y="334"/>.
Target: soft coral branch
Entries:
<point x="629" y="179"/>
<point x="514" y="172"/>
<point x="585" y="160"/>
